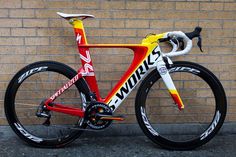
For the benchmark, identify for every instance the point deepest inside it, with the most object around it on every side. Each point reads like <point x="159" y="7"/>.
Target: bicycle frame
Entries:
<point x="147" y="55"/>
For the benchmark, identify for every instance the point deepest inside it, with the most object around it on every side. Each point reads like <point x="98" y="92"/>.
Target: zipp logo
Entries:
<point x="192" y="70"/>
<point x="212" y="127"/>
<point x="30" y="72"/>
<point x="146" y="122"/>
<point x="26" y="134"/>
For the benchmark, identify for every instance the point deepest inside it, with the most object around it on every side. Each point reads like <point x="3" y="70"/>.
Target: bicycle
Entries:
<point x="196" y="109"/>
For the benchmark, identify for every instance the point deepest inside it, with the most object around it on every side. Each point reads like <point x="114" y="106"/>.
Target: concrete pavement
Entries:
<point x="223" y="145"/>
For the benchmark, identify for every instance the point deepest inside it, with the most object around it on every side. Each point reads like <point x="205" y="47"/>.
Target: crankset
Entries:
<point x="99" y="116"/>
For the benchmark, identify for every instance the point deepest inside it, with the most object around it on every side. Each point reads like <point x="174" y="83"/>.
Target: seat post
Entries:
<point x="76" y="21"/>
<point x="79" y="31"/>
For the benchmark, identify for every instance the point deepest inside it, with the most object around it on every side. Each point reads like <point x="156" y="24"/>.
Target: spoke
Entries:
<point x="24" y="104"/>
<point x="47" y="131"/>
<point x="49" y="80"/>
<point x="41" y="84"/>
<point x="198" y="123"/>
<point x="56" y="87"/>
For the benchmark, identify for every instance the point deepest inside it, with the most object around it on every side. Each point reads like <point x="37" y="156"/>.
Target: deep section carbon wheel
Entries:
<point x="23" y="104"/>
<point x="204" y="113"/>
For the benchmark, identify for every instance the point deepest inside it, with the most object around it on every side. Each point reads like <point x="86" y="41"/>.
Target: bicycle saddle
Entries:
<point x="69" y="16"/>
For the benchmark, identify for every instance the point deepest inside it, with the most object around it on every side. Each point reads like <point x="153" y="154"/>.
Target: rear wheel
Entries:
<point x="31" y="86"/>
<point x="204" y="113"/>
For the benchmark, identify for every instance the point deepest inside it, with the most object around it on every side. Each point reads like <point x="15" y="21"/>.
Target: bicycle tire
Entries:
<point x="165" y="140"/>
<point x="18" y="89"/>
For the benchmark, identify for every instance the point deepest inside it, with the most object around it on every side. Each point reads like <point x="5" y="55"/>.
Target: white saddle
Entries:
<point x="69" y="16"/>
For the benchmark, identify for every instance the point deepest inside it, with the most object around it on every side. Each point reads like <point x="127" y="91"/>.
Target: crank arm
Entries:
<point x="109" y="117"/>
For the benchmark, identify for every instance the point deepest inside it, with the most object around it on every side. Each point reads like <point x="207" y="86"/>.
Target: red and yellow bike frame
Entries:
<point x="147" y="55"/>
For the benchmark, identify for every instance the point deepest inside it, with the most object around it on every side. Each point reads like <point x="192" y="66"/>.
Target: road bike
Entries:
<point x="179" y="105"/>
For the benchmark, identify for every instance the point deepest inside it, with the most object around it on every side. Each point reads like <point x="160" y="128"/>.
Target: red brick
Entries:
<point x="99" y="32"/>
<point x="35" y="23"/>
<point x="3" y="13"/>
<point x="12" y="59"/>
<point x="137" y="5"/>
<point x="10" y="23"/>
<point x="87" y="4"/>
<point x="10" y="4"/>
<point x="161" y="24"/>
<point x="34" y="4"/>
<point x="36" y="41"/>
<point x="129" y="14"/>
<point x="4" y="32"/>
<point x="137" y="24"/>
<point x="187" y="6"/>
<point x="222" y="15"/>
<point x="22" y="13"/>
<point x="23" y="32"/>
<point x="186" y="24"/>
<point x="124" y="32"/>
<point x="229" y="6"/>
<point x="46" y="13"/>
<point x="211" y="24"/>
<point x="162" y="5"/>
<point x="229" y="24"/>
<point x="112" y="23"/>
<point x="112" y="5"/>
<point x="60" y="4"/>
<point x="211" y="6"/>
<point x="11" y="41"/>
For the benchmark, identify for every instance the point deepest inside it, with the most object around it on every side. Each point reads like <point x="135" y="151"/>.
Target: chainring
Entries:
<point x="91" y="115"/>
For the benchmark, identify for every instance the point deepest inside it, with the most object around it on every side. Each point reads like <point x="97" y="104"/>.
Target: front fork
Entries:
<point x="164" y="73"/>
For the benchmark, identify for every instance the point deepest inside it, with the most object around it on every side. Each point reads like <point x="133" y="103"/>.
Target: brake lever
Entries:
<point x="175" y="44"/>
<point x="199" y="43"/>
<point x="180" y="42"/>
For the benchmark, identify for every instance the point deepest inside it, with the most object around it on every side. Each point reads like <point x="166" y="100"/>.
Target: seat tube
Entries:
<point x="85" y="57"/>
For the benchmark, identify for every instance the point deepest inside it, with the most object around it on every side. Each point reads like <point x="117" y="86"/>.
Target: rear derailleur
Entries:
<point x="42" y="112"/>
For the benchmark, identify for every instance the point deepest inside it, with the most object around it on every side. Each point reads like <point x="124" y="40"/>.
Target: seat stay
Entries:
<point x="80" y="16"/>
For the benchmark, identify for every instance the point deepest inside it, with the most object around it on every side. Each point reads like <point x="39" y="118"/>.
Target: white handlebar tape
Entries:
<point x="186" y="40"/>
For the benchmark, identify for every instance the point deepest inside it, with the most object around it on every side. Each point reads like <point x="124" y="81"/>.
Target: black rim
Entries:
<point x="219" y="106"/>
<point x="12" y="116"/>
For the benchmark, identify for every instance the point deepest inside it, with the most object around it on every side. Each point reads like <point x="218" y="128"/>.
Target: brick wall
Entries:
<point x="31" y="31"/>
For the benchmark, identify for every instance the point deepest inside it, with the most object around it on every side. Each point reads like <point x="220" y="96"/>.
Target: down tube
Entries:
<point x="134" y="78"/>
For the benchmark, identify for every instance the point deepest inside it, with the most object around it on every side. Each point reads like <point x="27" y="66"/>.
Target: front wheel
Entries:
<point x="204" y="113"/>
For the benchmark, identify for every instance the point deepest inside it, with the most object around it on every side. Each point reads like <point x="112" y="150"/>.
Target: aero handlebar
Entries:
<point x="185" y="39"/>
